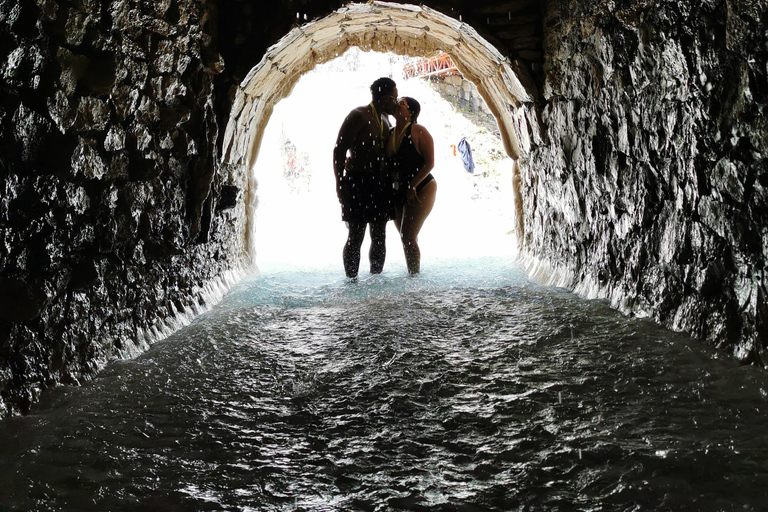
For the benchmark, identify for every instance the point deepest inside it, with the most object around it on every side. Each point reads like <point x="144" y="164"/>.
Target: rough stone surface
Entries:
<point x="646" y="178"/>
<point x="109" y="177"/>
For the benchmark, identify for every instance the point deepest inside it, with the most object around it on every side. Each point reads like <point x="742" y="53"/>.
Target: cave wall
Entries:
<point x="646" y="180"/>
<point x="115" y="217"/>
<point x="643" y="176"/>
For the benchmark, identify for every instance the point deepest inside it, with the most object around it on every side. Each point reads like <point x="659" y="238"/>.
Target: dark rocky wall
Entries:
<point x="114" y="215"/>
<point x="647" y="182"/>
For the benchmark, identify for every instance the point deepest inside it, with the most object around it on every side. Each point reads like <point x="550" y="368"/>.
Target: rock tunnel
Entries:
<point x="638" y="131"/>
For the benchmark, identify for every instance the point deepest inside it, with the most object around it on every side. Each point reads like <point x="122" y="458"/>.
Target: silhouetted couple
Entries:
<point x="383" y="174"/>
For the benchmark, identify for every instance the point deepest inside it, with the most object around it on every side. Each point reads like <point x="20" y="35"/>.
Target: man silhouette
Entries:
<point x="362" y="181"/>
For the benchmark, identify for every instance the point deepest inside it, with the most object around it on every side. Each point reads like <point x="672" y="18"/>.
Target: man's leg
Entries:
<point x="378" y="252"/>
<point x="351" y="254"/>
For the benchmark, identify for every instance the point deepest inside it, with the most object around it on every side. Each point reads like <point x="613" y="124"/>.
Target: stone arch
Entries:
<point x="379" y="26"/>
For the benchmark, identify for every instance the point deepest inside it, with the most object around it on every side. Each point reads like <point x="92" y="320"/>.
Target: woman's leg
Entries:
<point x="413" y="216"/>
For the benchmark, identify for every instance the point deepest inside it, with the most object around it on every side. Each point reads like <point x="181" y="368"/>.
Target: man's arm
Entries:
<point x="344" y="142"/>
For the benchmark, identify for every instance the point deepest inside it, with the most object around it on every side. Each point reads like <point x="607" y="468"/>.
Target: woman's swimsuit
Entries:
<point x="407" y="163"/>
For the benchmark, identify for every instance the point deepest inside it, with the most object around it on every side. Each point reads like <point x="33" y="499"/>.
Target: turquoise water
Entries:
<point x="464" y="388"/>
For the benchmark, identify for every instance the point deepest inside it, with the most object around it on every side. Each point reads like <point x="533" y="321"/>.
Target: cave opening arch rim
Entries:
<point x="403" y="29"/>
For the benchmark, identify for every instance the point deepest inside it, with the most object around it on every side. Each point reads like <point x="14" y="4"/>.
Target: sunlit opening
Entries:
<point x="298" y="218"/>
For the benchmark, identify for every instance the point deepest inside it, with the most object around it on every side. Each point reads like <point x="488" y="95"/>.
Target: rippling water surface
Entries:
<point x="464" y="388"/>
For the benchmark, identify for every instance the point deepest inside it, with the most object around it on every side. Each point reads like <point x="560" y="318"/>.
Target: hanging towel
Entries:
<point x="466" y="155"/>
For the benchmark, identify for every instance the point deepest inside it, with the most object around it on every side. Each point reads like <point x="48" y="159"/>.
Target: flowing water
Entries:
<point x="464" y="388"/>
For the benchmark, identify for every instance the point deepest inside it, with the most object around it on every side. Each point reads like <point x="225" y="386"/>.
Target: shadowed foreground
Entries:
<point x="467" y="386"/>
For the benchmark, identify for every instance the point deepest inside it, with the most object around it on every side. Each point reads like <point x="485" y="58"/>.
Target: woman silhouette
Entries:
<point x="412" y="156"/>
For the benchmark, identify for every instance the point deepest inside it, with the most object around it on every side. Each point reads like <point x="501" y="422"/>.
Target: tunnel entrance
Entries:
<point x="382" y="27"/>
<point x="298" y="218"/>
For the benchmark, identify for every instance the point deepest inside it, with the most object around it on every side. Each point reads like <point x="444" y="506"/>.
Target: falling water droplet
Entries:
<point x="560" y="397"/>
<point x="579" y="453"/>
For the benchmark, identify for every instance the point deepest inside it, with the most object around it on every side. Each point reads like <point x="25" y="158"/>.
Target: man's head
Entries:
<point x="384" y="93"/>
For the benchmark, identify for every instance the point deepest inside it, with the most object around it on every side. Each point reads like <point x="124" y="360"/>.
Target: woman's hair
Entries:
<point x="413" y="107"/>
<point x="382" y="87"/>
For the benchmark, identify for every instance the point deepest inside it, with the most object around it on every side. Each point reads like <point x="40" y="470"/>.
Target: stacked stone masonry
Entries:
<point x="461" y="92"/>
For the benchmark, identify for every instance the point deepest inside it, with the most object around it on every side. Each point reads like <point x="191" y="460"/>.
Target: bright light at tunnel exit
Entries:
<point x="298" y="218"/>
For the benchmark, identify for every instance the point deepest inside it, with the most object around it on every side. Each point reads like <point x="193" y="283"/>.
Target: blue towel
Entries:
<point x="466" y="155"/>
